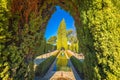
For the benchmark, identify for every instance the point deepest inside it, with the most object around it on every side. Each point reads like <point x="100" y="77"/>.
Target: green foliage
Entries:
<point x="52" y="40"/>
<point x="49" y="48"/>
<point x="78" y="66"/>
<point x="69" y="32"/>
<point x="61" y="36"/>
<point x="19" y="44"/>
<point x="43" y="67"/>
<point x="73" y="41"/>
<point x="5" y="36"/>
<point x="42" y="46"/>
<point x="99" y="39"/>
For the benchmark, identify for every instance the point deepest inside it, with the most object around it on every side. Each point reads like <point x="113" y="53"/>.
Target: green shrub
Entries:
<point x="43" y="67"/>
<point x="78" y="66"/>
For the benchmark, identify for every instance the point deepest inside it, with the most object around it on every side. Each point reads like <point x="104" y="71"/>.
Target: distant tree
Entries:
<point x="52" y="40"/>
<point x="69" y="32"/>
<point x="62" y="36"/>
<point x="72" y="39"/>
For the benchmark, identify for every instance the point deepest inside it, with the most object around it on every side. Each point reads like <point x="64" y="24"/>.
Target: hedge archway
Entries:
<point x="98" y="31"/>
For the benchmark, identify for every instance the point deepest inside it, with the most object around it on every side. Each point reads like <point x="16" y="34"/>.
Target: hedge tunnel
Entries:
<point x="23" y="25"/>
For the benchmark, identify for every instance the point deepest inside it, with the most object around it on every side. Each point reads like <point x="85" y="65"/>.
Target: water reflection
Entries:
<point x="62" y="63"/>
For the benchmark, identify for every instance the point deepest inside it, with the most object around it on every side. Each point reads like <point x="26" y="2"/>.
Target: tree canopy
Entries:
<point x="52" y="40"/>
<point x="72" y="40"/>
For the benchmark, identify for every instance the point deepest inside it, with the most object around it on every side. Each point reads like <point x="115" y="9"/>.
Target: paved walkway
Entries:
<point x="78" y="56"/>
<point x="68" y="75"/>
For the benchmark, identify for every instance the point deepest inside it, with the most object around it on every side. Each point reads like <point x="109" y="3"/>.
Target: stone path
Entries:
<point x="78" y="56"/>
<point x="62" y="74"/>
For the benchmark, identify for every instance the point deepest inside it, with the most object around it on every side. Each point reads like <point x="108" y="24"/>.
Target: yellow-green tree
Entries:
<point x="61" y="36"/>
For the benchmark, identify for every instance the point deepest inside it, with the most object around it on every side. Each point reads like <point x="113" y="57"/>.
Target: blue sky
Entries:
<point x="55" y="20"/>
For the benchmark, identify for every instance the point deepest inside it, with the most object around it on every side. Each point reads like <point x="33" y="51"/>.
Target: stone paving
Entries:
<point x="78" y="56"/>
<point x="64" y="75"/>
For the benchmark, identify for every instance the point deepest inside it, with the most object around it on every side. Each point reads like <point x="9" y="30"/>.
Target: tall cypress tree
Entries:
<point x="61" y="36"/>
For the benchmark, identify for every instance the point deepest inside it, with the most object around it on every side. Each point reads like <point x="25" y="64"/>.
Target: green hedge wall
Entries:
<point x="43" y="67"/>
<point x="78" y="66"/>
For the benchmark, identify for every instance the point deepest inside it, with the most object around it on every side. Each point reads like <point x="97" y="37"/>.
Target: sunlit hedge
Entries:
<point x="43" y="67"/>
<point x="78" y="66"/>
<point x="99" y="36"/>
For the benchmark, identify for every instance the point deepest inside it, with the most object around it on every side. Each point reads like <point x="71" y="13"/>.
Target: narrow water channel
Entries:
<point x="62" y="63"/>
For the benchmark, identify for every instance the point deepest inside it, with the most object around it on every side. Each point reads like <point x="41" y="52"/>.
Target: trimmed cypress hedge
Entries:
<point x="43" y="67"/>
<point x="78" y="66"/>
